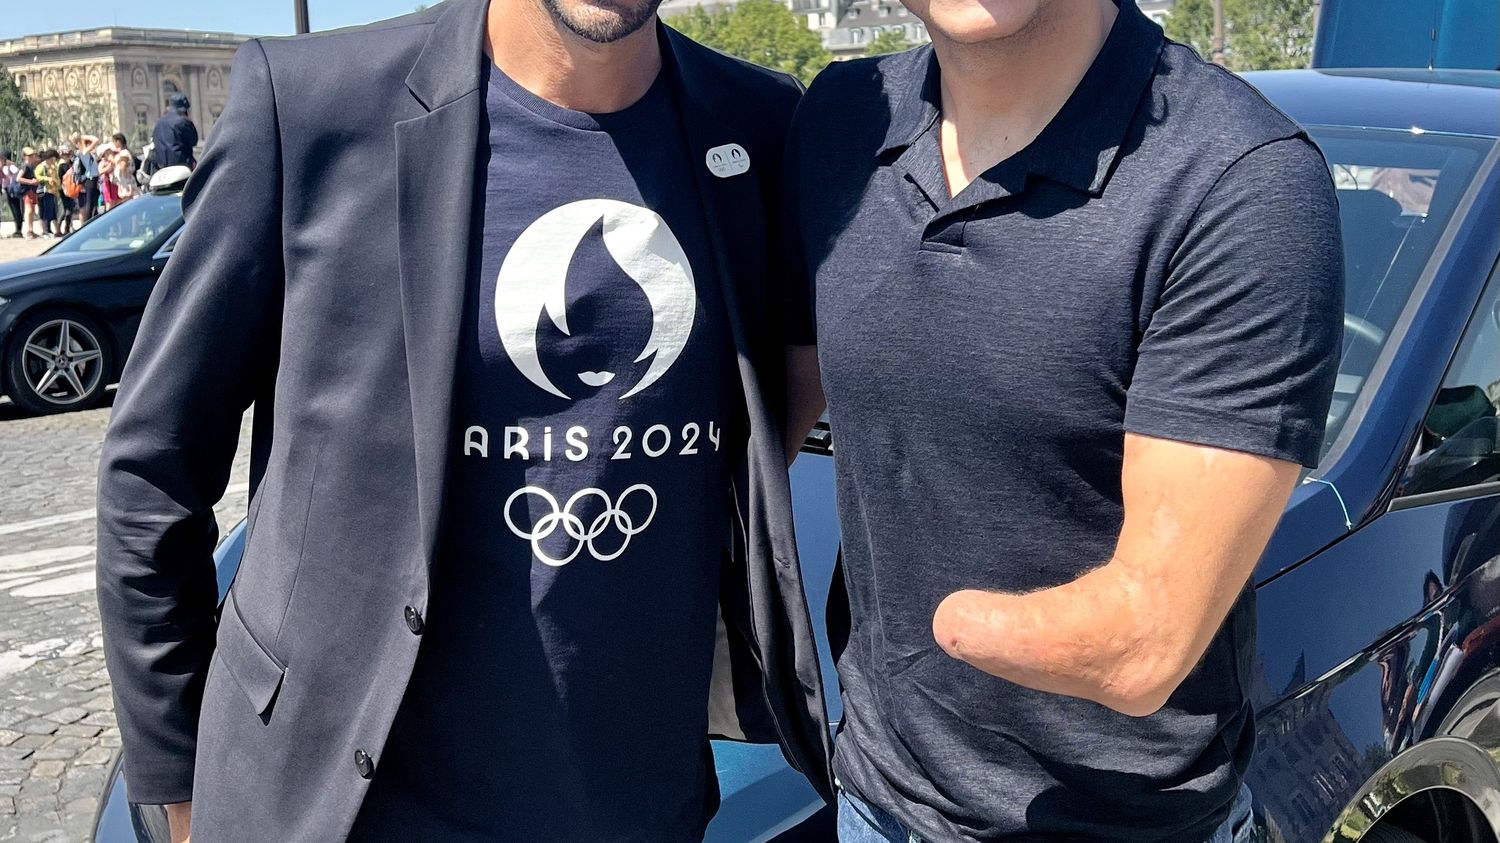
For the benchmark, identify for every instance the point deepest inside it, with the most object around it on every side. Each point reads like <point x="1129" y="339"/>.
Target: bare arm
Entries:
<point x="804" y="396"/>
<point x="1126" y="634"/>
<point x="180" y="822"/>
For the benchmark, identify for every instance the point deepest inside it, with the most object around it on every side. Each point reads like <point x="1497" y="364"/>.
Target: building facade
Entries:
<point x="117" y="79"/>
<point x="862" y="21"/>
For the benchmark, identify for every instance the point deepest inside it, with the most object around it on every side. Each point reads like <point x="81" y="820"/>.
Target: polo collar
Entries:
<point x="917" y="100"/>
<point x="1080" y="145"/>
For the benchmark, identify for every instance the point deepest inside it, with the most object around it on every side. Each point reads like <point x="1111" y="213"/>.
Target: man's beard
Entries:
<point x="605" y="29"/>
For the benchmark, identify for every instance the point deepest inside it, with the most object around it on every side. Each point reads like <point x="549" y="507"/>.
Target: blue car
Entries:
<point x="1378" y="678"/>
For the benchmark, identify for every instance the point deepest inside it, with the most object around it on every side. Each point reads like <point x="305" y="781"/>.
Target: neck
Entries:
<point x="546" y="58"/>
<point x="997" y="96"/>
<point x="1032" y="71"/>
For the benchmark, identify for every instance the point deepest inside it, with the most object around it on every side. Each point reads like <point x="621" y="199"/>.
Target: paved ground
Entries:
<point x="57" y="727"/>
<point x="11" y="248"/>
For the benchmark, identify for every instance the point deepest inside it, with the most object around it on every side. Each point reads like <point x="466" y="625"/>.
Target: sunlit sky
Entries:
<point x="245" y="17"/>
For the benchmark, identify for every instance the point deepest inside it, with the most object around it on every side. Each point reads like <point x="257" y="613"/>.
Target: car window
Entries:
<point x="167" y="247"/>
<point x="1397" y="193"/>
<point x="1460" y="439"/>
<point x="128" y="227"/>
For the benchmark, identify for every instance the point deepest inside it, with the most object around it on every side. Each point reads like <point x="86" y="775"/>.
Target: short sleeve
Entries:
<point x="1242" y="348"/>
<point x="793" y="278"/>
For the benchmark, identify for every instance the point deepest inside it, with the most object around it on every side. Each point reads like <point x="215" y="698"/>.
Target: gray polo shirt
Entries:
<point x="1164" y="260"/>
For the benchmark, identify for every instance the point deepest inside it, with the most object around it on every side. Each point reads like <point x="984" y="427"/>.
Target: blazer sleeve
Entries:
<point x="207" y="340"/>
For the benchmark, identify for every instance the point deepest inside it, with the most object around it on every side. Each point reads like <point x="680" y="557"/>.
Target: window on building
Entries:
<point x="21" y="83"/>
<point x="142" y="118"/>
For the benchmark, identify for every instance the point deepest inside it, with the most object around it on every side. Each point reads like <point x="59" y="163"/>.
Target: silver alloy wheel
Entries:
<point x="62" y="362"/>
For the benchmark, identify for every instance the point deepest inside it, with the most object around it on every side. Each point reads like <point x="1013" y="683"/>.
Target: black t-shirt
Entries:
<point x="561" y="693"/>
<point x="1165" y="260"/>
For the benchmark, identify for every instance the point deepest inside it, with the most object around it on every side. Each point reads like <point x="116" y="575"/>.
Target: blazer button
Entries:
<point x="414" y="621"/>
<point x="364" y="763"/>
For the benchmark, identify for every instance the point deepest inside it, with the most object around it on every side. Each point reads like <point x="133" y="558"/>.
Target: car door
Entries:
<point x="159" y="259"/>
<point x="132" y="286"/>
<point x="1365" y="647"/>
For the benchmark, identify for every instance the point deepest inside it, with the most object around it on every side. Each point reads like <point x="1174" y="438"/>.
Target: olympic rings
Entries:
<point x="614" y="514"/>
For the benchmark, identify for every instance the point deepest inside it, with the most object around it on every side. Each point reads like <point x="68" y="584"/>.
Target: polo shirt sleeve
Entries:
<point x="1242" y="348"/>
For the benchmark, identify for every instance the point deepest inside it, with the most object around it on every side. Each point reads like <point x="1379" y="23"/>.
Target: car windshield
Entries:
<point x="128" y="227"/>
<point x="1397" y="192"/>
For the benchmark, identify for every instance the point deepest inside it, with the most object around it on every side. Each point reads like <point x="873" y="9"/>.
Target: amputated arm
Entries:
<point x="1126" y="634"/>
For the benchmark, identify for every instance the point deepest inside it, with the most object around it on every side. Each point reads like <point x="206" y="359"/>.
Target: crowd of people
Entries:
<point x="49" y="192"/>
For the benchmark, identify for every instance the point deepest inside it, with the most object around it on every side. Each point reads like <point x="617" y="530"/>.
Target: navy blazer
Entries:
<point x="321" y="278"/>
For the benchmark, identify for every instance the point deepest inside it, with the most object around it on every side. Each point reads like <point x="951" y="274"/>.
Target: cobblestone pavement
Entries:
<point x="57" y="726"/>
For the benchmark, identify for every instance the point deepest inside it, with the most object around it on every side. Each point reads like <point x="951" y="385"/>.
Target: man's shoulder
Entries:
<point x="1210" y="113"/>
<point x="886" y="74"/>
<point x="324" y="49"/>
<point x="859" y="95"/>
<point x="748" y="87"/>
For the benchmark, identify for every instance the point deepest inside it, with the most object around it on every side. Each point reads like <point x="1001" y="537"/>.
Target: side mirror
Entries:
<point x="1467" y="458"/>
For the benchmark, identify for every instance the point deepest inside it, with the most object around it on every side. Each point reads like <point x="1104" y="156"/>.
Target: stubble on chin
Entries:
<point x="592" y="23"/>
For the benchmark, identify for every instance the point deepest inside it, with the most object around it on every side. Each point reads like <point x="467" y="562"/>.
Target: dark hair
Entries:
<point x="121" y="138"/>
<point x="6" y="154"/>
<point x="49" y="154"/>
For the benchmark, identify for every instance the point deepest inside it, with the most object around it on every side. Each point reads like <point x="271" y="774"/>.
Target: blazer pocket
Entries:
<point x="254" y="668"/>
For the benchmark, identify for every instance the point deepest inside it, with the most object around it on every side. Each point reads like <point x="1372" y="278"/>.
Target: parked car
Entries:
<point x="1377" y="683"/>
<point x="69" y="316"/>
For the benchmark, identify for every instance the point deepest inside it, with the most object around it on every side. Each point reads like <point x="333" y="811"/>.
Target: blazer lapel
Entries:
<point x="732" y="206"/>
<point x="437" y="187"/>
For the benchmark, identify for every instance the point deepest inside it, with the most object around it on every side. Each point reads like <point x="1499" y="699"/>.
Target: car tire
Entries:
<point x="1390" y="834"/>
<point x="57" y="361"/>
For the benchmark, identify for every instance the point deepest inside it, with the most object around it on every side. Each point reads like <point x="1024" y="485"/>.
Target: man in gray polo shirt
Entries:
<point x="1076" y="296"/>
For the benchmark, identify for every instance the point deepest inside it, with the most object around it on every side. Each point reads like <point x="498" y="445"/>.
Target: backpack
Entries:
<point x="70" y="186"/>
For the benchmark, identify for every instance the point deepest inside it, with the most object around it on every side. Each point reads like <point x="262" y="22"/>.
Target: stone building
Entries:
<point x="118" y="79"/>
<point x="861" y="21"/>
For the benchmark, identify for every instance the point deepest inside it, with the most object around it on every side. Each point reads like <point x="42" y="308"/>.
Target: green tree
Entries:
<point x="19" y="123"/>
<point x="891" y="40"/>
<point x="1258" y="34"/>
<point x="761" y="31"/>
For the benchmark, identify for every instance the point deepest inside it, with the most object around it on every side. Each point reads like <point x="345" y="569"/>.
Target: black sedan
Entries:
<point x="69" y="316"/>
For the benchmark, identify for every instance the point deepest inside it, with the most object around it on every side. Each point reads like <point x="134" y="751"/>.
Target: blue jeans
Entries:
<point x="861" y="822"/>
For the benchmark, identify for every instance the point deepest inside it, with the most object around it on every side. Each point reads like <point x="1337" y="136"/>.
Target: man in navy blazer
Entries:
<point x="496" y="278"/>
